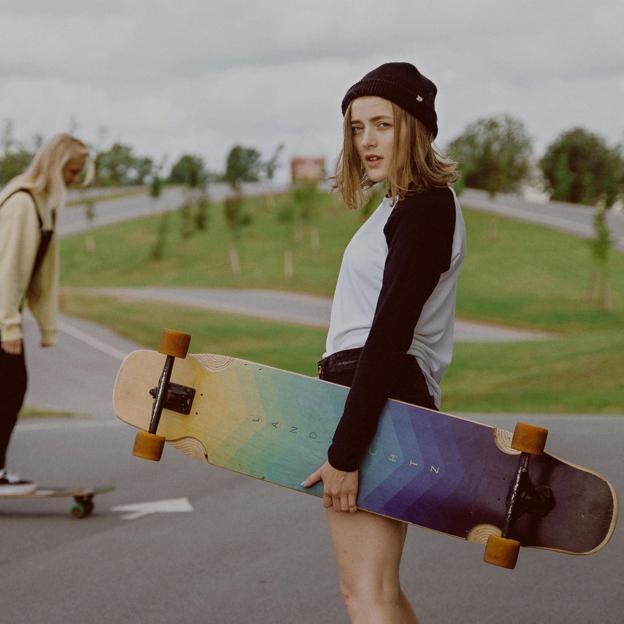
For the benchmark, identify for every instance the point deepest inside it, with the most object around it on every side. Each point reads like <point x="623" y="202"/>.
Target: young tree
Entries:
<point x="305" y="198"/>
<point x="600" y="249"/>
<point x="236" y="219"/>
<point x="286" y="216"/>
<point x="244" y="164"/>
<point x="158" y="250"/>
<point x="494" y="154"/>
<point x="89" y="212"/>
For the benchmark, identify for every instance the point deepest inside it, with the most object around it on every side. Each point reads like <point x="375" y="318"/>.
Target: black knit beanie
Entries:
<point x="402" y="84"/>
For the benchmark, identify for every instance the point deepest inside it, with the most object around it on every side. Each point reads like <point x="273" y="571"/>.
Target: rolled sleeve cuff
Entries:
<point x="48" y="337"/>
<point x="11" y="332"/>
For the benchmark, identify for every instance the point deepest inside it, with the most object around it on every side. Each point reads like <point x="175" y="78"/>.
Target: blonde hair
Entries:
<point x="45" y="172"/>
<point x="416" y="163"/>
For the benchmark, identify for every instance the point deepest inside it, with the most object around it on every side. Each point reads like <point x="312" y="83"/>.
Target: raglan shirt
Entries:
<point x="395" y="294"/>
<point x="19" y="242"/>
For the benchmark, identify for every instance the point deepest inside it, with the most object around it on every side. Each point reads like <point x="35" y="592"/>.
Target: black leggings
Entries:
<point x="13" y="381"/>
<point x="410" y="386"/>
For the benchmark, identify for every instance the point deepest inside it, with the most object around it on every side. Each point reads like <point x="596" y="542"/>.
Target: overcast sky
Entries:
<point x="199" y="76"/>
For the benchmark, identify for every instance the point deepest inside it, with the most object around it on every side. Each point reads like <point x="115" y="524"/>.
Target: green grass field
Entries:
<point x="515" y="274"/>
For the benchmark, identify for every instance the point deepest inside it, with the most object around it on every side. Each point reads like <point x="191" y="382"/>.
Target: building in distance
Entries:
<point x="305" y="168"/>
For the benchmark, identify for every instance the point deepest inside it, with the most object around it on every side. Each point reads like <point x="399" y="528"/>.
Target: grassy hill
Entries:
<point x="515" y="274"/>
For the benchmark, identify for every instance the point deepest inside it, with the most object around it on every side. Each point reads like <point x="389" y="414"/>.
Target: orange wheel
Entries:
<point x="174" y="343"/>
<point x="529" y="439"/>
<point x="148" y="446"/>
<point x="502" y="552"/>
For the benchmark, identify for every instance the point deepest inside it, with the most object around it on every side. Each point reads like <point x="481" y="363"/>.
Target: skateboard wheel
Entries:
<point x="174" y="343"/>
<point x="78" y="511"/>
<point x="148" y="446"/>
<point x="529" y="439"/>
<point x="502" y="552"/>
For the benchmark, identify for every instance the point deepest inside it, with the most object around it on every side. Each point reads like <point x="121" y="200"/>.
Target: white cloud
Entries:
<point x="201" y="76"/>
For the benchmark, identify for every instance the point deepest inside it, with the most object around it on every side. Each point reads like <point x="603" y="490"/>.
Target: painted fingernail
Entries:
<point x="303" y="484"/>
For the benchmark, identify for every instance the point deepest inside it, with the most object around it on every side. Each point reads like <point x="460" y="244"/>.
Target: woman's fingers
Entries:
<point x="339" y="488"/>
<point x="352" y="505"/>
<point x="12" y="347"/>
<point x="315" y="477"/>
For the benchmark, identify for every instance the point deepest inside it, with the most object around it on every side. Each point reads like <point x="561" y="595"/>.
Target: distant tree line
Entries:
<point x="495" y="154"/>
<point x="120" y="165"/>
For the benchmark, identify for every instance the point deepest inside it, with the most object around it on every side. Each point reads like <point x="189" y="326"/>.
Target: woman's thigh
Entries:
<point x="368" y="549"/>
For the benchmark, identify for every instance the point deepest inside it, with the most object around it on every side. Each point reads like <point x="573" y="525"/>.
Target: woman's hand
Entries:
<point x="339" y="488"/>
<point x="12" y="347"/>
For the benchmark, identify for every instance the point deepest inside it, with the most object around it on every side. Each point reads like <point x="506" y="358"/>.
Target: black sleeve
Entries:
<point x="420" y="237"/>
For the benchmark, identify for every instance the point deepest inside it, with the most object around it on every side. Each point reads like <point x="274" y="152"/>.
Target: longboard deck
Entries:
<point x="424" y="467"/>
<point x="83" y="497"/>
<point x="64" y="492"/>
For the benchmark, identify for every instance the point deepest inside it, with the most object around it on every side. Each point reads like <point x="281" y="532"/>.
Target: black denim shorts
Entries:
<point x="410" y="386"/>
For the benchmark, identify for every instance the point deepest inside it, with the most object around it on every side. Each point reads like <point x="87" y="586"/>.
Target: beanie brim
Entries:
<point x="420" y="105"/>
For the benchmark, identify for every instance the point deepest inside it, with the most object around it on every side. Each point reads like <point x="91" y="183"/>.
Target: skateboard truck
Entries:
<point x="178" y="399"/>
<point x="523" y="496"/>
<point x="149" y="445"/>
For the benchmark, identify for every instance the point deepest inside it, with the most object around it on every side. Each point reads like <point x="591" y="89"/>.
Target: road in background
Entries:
<point x="78" y="373"/>
<point x="570" y="218"/>
<point x="74" y="219"/>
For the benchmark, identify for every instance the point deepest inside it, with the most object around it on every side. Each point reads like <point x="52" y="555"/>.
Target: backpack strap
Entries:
<point x="44" y="236"/>
<point x="24" y="190"/>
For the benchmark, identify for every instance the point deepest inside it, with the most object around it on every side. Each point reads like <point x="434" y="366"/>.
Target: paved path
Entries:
<point x="73" y="220"/>
<point x="292" y="308"/>
<point x="77" y="374"/>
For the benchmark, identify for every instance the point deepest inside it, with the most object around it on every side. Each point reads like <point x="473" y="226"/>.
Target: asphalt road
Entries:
<point x="249" y="551"/>
<point x="254" y="552"/>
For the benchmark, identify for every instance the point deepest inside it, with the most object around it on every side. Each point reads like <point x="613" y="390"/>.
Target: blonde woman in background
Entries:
<point x="29" y="271"/>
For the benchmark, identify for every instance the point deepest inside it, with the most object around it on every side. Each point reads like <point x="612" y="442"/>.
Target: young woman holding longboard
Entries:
<point x="29" y="272"/>
<point x="391" y="328"/>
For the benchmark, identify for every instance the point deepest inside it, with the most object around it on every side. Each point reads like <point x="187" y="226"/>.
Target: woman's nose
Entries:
<point x="368" y="137"/>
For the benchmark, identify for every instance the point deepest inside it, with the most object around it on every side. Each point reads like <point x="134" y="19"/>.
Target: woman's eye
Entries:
<point x="383" y="124"/>
<point x="356" y="129"/>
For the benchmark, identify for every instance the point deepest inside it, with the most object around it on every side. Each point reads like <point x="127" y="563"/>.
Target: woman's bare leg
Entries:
<point x="368" y="549"/>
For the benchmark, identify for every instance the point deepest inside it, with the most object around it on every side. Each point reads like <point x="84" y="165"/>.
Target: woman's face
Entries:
<point x="372" y="127"/>
<point x="72" y="169"/>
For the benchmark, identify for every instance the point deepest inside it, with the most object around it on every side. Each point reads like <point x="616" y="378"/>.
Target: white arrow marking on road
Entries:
<point x="138" y="510"/>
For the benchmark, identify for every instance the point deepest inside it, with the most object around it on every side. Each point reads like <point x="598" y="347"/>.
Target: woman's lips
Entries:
<point x="373" y="160"/>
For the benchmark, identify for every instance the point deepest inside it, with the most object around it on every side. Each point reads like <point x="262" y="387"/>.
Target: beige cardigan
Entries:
<point x="19" y="241"/>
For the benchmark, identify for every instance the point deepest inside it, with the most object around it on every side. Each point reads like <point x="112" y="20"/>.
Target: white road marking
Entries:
<point x="100" y="346"/>
<point x="138" y="510"/>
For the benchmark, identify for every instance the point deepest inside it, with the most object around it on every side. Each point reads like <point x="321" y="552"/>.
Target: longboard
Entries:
<point x="83" y="497"/>
<point x="423" y="467"/>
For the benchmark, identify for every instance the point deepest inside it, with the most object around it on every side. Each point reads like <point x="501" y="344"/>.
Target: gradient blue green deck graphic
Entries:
<point x="423" y="467"/>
